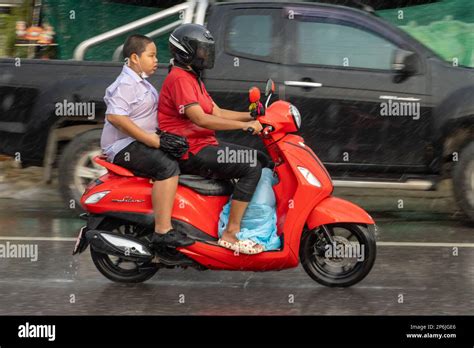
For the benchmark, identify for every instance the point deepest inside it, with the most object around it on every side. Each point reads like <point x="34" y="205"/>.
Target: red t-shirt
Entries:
<point x="181" y="88"/>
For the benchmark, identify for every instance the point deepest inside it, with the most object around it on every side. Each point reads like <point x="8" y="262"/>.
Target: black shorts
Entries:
<point x="147" y="162"/>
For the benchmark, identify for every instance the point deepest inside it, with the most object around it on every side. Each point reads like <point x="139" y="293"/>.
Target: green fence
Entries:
<point x="75" y="21"/>
<point x="447" y="27"/>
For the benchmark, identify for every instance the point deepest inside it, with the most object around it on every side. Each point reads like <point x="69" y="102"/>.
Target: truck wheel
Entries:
<point x="77" y="169"/>
<point x="463" y="180"/>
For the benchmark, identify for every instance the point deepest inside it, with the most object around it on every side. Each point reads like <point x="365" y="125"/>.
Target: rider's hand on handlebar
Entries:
<point x="256" y="109"/>
<point x="152" y="140"/>
<point x="255" y="125"/>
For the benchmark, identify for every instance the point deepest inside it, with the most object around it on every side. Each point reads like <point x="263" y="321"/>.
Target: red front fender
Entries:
<point x="335" y="210"/>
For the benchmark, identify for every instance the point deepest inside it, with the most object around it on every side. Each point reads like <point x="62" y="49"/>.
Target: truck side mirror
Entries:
<point x="404" y="64"/>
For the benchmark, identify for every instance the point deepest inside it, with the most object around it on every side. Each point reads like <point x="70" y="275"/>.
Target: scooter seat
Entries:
<point x="205" y="186"/>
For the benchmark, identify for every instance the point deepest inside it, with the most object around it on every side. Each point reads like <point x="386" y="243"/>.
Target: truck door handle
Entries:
<point x="394" y="97"/>
<point x="304" y="84"/>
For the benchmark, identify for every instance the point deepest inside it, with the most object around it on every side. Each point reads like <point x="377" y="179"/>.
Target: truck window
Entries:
<point x="341" y="45"/>
<point x="250" y="35"/>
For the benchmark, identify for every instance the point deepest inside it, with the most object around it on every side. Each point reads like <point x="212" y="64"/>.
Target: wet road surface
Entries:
<point x="416" y="263"/>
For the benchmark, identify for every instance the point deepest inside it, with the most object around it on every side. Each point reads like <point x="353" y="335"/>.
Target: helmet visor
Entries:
<point x="205" y="55"/>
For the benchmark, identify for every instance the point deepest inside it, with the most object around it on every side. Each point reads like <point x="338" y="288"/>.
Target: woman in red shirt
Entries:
<point x="185" y="108"/>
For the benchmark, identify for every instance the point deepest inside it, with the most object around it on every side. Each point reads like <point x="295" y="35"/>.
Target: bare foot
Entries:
<point x="230" y="236"/>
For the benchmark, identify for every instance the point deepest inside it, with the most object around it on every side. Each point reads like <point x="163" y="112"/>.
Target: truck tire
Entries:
<point x="463" y="180"/>
<point x="76" y="167"/>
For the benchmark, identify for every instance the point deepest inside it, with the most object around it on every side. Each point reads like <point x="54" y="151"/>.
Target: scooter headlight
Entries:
<point x="309" y="176"/>
<point x="296" y="115"/>
<point x="96" y="197"/>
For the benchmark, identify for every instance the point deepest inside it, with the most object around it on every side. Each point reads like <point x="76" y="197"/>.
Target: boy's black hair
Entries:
<point x="135" y="43"/>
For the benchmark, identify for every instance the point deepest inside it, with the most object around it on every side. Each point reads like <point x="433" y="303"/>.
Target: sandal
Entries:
<point x="228" y="245"/>
<point x="249" y="247"/>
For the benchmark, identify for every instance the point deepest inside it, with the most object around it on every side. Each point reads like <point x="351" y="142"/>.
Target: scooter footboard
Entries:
<point x="335" y="210"/>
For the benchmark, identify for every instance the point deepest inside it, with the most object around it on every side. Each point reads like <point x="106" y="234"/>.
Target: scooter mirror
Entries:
<point x="269" y="88"/>
<point x="254" y="94"/>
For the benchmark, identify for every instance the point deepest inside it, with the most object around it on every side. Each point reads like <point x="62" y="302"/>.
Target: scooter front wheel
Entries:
<point x="338" y="255"/>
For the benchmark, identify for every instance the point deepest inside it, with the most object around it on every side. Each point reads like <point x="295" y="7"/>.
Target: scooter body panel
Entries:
<point x="304" y="195"/>
<point x="127" y="194"/>
<point x="133" y="194"/>
<point x="217" y="258"/>
<point x="336" y="210"/>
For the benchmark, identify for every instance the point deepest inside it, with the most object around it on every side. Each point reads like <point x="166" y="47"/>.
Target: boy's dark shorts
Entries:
<point x="147" y="162"/>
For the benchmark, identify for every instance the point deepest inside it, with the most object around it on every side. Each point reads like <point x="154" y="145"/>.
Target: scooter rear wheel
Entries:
<point x="322" y="259"/>
<point x="110" y="267"/>
<point x="118" y="269"/>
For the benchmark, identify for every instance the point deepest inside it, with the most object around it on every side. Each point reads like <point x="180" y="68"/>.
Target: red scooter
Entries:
<point x="333" y="238"/>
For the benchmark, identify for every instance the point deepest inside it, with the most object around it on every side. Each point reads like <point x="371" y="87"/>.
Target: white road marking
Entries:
<point x="413" y="244"/>
<point x="52" y="239"/>
<point x="35" y="280"/>
<point x="200" y="283"/>
<point x="427" y="244"/>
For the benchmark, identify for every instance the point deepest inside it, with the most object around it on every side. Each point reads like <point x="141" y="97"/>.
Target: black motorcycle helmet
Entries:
<point x="192" y="44"/>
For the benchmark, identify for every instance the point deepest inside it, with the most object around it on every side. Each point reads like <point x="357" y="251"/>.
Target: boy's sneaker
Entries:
<point x="172" y="238"/>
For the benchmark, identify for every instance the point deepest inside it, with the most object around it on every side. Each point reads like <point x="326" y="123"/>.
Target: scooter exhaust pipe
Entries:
<point x="122" y="246"/>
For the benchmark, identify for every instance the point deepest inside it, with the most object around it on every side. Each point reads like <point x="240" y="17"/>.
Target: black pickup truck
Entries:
<point x="378" y="107"/>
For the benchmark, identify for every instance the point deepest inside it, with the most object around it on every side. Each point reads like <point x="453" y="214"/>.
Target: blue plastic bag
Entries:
<point x="260" y="219"/>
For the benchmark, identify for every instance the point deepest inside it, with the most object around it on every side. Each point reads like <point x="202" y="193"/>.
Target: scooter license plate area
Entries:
<point x="80" y="241"/>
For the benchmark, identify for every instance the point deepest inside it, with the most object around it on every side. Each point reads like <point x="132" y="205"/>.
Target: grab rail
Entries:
<point x="188" y="17"/>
